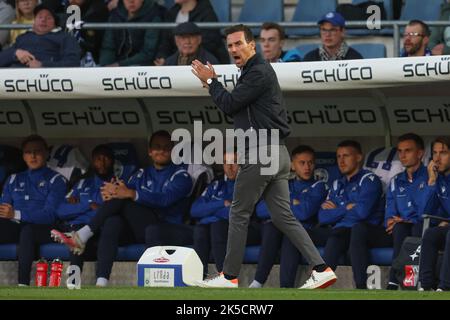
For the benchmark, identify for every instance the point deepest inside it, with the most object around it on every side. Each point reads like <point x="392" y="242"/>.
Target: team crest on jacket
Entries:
<point x="42" y="184"/>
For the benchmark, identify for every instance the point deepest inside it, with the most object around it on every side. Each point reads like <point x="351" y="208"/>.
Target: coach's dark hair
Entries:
<point x="352" y="144"/>
<point x="34" y="138"/>
<point x="425" y="28"/>
<point x="276" y="26"/>
<point x="414" y="137"/>
<point x="445" y="140"/>
<point x="160" y="133"/>
<point x="240" y="27"/>
<point x="302" y="149"/>
<point x="103" y="149"/>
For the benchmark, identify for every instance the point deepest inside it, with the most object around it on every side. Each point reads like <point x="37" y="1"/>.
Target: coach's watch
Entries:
<point x="209" y="81"/>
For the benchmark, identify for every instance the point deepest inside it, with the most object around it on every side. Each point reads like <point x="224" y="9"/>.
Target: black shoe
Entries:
<point x="392" y="286"/>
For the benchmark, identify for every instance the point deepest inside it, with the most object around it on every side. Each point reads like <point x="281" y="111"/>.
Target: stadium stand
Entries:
<point x="388" y="7"/>
<point x="222" y="9"/>
<point x="268" y="10"/>
<point x="415" y="9"/>
<point x="370" y="50"/>
<point x="310" y="11"/>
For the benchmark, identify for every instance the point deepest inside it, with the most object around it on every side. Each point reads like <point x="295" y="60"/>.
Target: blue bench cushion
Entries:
<point x="50" y="251"/>
<point x="8" y="251"/>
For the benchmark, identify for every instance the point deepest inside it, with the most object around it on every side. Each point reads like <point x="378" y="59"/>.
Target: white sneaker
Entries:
<point x="101" y="282"/>
<point x="439" y="290"/>
<point x="255" y="285"/>
<point x="218" y="282"/>
<point x="320" y="280"/>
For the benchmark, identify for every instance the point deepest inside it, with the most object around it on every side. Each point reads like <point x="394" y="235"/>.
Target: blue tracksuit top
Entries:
<point x="35" y="195"/>
<point x="436" y="198"/>
<point x="165" y="190"/>
<point x="210" y="206"/>
<point x="403" y="198"/>
<point x="87" y="191"/>
<point x="306" y="196"/>
<point x="364" y="190"/>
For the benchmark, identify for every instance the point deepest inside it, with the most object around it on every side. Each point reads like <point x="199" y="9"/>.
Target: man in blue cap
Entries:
<point x="334" y="47"/>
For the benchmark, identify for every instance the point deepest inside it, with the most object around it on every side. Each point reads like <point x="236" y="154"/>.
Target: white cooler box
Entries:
<point x="169" y="266"/>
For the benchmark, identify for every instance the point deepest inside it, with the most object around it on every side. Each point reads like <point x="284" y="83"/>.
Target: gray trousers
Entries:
<point x="250" y="185"/>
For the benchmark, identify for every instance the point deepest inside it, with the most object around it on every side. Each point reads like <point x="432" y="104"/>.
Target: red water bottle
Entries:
<point x="41" y="273"/>
<point x="55" y="273"/>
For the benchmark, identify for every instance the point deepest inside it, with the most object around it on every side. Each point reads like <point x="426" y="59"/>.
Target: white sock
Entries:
<point x="102" y="282"/>
<point x="85" y="234"/>
<point x="255" y="284"/>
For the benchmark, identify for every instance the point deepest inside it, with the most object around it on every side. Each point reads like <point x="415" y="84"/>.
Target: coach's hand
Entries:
<point x="203" y="72"/>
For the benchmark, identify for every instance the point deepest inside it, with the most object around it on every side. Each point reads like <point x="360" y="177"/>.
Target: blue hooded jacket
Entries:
<point x="403" y="198"/>
<point x="35" y="195"/>
<point x="166" y="191"/>
<point x="435" y="199"/>
<point x="306" y="198"/>
<point x="210" y="208"/>
<point x="87" y="191"/>
<point x="364" y="190"/>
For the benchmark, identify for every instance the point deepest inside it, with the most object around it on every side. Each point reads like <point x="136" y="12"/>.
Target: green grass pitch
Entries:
<point x="190" y="293"/>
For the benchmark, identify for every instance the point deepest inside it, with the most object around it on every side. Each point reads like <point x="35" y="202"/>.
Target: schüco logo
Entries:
<point x="161" y="260"/>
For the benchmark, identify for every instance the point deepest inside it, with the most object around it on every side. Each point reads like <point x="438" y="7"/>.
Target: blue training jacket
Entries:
<point x="306" y="198"/>
<point x="364" y="190"/>
<point x="166" y="191"/>
<point x="209" y="207"/>
<point x="35" y="195"/>
<point x="87" y="191"/>
<point x="403" y="197"/>
<point x="436" y="198"/>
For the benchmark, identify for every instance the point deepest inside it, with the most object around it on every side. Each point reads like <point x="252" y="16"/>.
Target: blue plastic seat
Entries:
<point x="8" y="251"/>
<point x="252" y="254"/>
<point x="370" y="50"/>
<point x="52" y="251"/>
<point x="130" y="252"/>
<point x="381" y="256"/>
<point x="303" y="49"/>
<point x="423" y="10"/>
<point x="262" y="11"/>
<point x="222" y="9"/>
<point x="310" y="11"/>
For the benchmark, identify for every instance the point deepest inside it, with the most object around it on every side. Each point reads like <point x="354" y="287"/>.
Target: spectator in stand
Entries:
<point x="24" y="15"/>
<point x="440" y="36"/>
<point x="83" y="201"/>
<point x="212" y="213"/>
<point x="43" y="46"/>
<point x="92" y="11"/>
<point x="29" y="203"/>
<point x="188" y="38"/>
<point x="271" y="38"/>
<point x="415" y="39"/>
<point x="7" y="15"/>
<point x="192" y="11"/>
<point x="332" y="35"/>
<point x="131" y="47"/>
